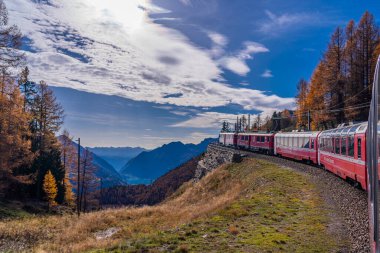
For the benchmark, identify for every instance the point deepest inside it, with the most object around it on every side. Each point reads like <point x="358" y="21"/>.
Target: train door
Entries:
<point x="360" y="160"/>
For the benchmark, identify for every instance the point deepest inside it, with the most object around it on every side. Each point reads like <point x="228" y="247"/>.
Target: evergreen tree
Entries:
<point x="47" y="119"/>
<point x="28" y="88"/>
<point x="50" y="189"/>
<point x="10" y="41"/>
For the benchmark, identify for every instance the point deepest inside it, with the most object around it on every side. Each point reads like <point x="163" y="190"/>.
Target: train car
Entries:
<point x="262" y="142"/>
<point x="343" y="152"/>
<point x="243" y="140"/>
<point x="228" y="139"/>
<point x="302" y="146"/>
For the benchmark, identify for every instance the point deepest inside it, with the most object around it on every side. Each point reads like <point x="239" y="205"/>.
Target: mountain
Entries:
<point x="104" y="170"/>
<point x="150" y="165"/>
<point x="117" y="157"/>
<point x="162" y="188"/>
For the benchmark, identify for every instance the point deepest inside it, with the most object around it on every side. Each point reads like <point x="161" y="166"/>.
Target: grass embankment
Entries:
<point x="254" y="206"/>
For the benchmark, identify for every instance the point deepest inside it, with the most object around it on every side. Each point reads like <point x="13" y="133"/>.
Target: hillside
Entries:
<point x="104" y="170"/>
<point x="150" y="165"/>
<point x="254" y="206"/>
<point x="117" y="157"/>
<point x="154" y="193"/>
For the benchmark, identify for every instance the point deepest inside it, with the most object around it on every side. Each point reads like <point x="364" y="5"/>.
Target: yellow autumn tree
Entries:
<point x="69" y="195"/>
<point x="50" y="188"/>
<point x="316" y="99"/>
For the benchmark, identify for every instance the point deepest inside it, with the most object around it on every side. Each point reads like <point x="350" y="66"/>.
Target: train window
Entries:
<point x="337" y="146"/>
<point x="351" y="146"/>
<point x="306" y="142"/>
<point x="359" y="148"/>
<point x="257" y="138"/>
<point x="343" y="145"/>
<point x="262" y="138"/>
<point x="312" y="144"/>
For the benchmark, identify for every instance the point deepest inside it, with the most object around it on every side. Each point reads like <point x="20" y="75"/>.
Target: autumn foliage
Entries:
<point x="339" y="89"/>
<point x="50" y="188"/>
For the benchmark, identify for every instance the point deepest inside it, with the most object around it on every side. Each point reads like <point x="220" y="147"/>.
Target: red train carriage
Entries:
<point x="262" y="142"/>
<point x="343" y="152"/>
<point x="259" y="142"/>
<point x="228" y="139"/>
<point x="243" y="140"/>
<point x="301" y="146"/>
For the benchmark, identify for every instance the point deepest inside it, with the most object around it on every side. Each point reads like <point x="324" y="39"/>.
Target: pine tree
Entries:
<point x="10" y="40"/>
<point x="28" y="89"/>
<point x="50" y="189"/>
<point x="302" y="105"/>
<point x="47" y="116"/>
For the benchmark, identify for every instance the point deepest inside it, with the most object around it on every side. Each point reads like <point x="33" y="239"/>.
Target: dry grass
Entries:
<point x="254" y="206"/>
<point x="70" y="234"/>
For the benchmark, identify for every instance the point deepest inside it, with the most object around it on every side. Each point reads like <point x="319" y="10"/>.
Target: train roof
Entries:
<point x="301" y="134"/>
<point x="348" y="130"/>
<point x="257" y="134"/>
<point x="227" y="133"/>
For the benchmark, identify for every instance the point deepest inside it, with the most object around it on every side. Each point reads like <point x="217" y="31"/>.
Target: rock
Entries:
<point x="100" y="235"/>
<point x="214" y="157"/>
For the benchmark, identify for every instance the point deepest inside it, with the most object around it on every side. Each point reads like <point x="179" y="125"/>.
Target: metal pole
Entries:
<point x="308" y="120"/>
<point x="78" y="183"/>
<point x="249" y="121"/>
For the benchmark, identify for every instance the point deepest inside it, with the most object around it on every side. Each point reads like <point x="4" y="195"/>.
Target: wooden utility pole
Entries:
<point x="78" y="183"/>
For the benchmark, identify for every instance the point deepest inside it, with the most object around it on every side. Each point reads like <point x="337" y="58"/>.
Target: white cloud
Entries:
<point x="238" y="63"/>
<point x="207" y="120"/>
<point x="115" y="48"/>
<point x="186" y="2"/>
<point x="267" y="74"/>
<point x="218" y="39"/>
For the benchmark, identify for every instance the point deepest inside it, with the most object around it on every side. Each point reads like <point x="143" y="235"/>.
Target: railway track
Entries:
<point x="349" y="208"/>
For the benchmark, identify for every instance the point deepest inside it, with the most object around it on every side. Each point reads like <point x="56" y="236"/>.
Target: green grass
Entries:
<point x="11" y="211"/>
<point x="278" y="210"/>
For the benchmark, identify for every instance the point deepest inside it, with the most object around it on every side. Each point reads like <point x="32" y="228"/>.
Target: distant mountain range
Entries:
<point x="104" y="170"/>
<point x="149" y="165"/>
<point x="152" y="194"/>
<point x="117" y="157"/>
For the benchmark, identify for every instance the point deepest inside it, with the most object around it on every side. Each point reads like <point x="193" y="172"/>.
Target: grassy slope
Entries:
<point x="254" y="206"/>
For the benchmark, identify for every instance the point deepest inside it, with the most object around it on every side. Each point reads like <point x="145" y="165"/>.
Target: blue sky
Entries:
<point x="144" y="73"/>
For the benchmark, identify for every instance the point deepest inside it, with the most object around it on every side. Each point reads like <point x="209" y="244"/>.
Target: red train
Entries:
<point x="341" y="151"/>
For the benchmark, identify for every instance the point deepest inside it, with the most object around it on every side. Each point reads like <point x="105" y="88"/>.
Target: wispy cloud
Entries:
<point x="278" y="23"/>
<point x="267" y="74"/>
<point x="116" y="49"/>
<point x="206" y="120"/>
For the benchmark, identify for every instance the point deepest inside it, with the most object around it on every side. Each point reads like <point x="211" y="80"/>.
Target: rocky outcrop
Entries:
<point x="215" y="156"/>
